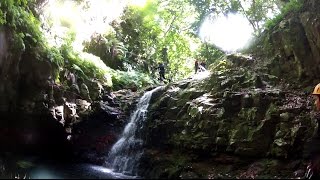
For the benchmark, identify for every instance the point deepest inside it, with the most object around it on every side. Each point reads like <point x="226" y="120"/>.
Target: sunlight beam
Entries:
<point x="139" y="3"/>
<point x="230" y="32"/>
<point x="84" y="19"/>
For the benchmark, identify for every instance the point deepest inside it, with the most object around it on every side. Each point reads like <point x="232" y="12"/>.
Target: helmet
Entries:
<point x="316" y="90"/>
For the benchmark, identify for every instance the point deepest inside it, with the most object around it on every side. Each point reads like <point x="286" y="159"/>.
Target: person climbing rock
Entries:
<point x="203" y="64"/>
<point x="161" y="71"/>
<point x="196" y="66"/>
<point x="312" y="152"/>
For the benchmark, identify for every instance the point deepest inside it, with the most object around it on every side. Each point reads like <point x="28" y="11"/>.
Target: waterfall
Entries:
<point x="126" y="152"/>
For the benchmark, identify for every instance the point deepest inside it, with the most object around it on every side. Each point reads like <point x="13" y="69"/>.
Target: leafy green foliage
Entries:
<point x="145" y="36"/>
<point x="86" y="65"/>
<point x="210" y="53"/>
<point x="17" y="16"/>
<point x="28" y="38"/>
<point x="291" y="7"/>
<point x="132" y="44"/>
<point x="89" y="66"/>
<point x="55" y="57"/>
<point x="136" y="43"/>
<point x="139" y="32"/>
<point x="108" y="48"/>
<point x="130" y="79"/>
<point x="176" y="20"/>
<point x="221" y="66"/>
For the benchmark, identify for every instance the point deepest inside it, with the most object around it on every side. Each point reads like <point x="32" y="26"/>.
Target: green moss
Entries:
<point x="176" y="166"/>
<point x="248" y="114"/>
<point x="284" y="116"/>
<point x="169" y="166"/>
<point x="192" y="137"/>
<point x="195" y="111"/>
<point x="19" y="45"/>
<point x="239" y="132"/>
<point x="272" y="112"/>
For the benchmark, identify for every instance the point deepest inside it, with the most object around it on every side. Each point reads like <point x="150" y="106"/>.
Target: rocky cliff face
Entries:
<point x="38" y="115"/>
<point x="25" y="121"/>
<point x="9" y="73"/>
<point x="253" y="116"/>
<point x="292" y="47"/>
<point x="236" y="110"/>
<point x="224" y="125"/>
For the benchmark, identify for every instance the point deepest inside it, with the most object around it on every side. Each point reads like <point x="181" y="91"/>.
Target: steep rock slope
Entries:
<point x="292" y="46"/>
<point x="236" y="111"/>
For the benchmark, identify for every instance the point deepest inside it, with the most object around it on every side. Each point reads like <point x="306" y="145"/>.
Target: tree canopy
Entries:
<point x="137" y="40"/>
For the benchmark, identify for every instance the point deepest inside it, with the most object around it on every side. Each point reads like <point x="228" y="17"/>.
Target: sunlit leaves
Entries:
<point x="130" y="79"/>
<point x="17" y="16"/>
<point x="209" y="53"/>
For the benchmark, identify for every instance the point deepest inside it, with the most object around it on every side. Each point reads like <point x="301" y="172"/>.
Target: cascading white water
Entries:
<point x="126" y="152"/>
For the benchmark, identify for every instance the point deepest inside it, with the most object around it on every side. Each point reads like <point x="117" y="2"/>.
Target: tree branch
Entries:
<point x="256" y="29"/>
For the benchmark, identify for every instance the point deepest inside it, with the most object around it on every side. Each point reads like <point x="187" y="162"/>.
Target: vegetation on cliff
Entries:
<point x="127" y="52"/>
<point x="243" y="108"/>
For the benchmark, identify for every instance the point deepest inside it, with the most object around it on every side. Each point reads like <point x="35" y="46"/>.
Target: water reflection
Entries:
<point x="78" y="171"/>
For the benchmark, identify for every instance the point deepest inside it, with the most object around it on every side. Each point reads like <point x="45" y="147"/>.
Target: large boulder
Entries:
<point x="243" y="115"/>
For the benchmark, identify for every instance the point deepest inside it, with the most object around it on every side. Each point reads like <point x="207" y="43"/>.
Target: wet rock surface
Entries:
<point x="254" y="125"/>
<point x="94" y="136"/>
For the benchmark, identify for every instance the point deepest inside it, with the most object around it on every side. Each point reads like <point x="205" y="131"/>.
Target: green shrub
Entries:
<point x="292" y="6"/>
<point x="86" y="66"/>
<point x="16" y="15"/>
<point x="130" y="79"/>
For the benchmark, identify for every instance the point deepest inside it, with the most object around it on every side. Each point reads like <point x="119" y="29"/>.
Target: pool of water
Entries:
<point x="76" y="171"/>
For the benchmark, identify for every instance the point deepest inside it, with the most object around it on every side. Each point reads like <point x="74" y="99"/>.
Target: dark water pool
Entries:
<point x="26" y="167"/>
<point x="74" y="171"/>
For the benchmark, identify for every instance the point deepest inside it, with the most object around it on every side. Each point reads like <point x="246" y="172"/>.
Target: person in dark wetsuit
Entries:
<point x="203" y="64"/>
<point x="161" y="72"/>
<point x="196" y="66"/>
